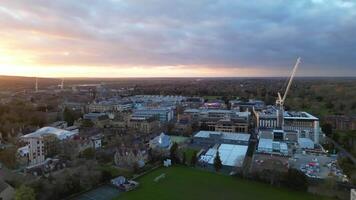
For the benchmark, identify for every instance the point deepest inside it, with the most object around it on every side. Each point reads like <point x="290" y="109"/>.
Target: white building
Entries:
<point x="303" y="123"/>
<point x="272" y="147"/>
<point x="209" y="138"/>
<point x="231" y="155"/>
<point x="163" y="114"/>
<point x="39" y="142"/>
<point x="162" y="141"/>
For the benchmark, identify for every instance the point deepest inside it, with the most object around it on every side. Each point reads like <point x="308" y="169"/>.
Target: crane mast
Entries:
<point x="280" y="100"/>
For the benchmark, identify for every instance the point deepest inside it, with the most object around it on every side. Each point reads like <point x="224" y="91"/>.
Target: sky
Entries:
<point x="177" y="38"/>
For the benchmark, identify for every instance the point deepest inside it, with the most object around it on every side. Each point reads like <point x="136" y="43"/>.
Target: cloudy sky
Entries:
<point x="136" y="38"/>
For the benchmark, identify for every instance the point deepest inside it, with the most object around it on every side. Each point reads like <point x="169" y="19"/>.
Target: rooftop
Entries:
<point x="59" y="133"/>
<point x="230" y="155"/>
<point x="224" y="135"/>
<point x="272" y="112"/>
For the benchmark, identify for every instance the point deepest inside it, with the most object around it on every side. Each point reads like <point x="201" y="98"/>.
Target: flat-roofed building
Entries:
<point x="231" y="125"/>
<point x="342" y="122"/>
<point x="305" y="124"/>
<point x="144" y="125"/>
<point x="210" y="138"/>
<point x="43" y="142"/>
<point x="163" y="114"/>
<point x="249" y="105"/>
<point x="220" y="120"/>
<point x="270" y="146"/>
<point x="231" y="155"/>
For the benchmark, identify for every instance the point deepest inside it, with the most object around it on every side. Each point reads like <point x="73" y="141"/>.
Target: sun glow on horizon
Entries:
<point x="126" y="71"/>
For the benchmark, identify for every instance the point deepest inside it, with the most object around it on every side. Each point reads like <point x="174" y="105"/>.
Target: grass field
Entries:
<point x="187" y="183"/>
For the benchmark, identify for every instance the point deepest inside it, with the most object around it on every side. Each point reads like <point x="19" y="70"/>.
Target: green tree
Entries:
<point x="87" y="123"/>
<point x="296" y="180"/>
<point x="69" y="116"/>
<point x="170" y="127"/>
<point x="217" y="162"/>
<point x="174" y="153"/>
<point x="25" y="193"/>
<point x="327" y="129"/>
<point x="194" y="159"/>
<point x="184" y="160"/>
<point x="71" y="185"/>
<point x="88" y="153"/>
<point x="105" y="176"/>
<point x="8" y="157"/>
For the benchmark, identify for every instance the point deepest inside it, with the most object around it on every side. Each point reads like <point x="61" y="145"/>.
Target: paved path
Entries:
<point x="341" y="149"/>
<point x="104" y="192"/>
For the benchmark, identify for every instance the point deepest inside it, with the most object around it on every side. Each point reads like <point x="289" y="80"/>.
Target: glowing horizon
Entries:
<point x="112" y="72"/>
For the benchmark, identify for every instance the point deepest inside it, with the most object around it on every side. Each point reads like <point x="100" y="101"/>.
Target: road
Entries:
<point x="341" y="149"/>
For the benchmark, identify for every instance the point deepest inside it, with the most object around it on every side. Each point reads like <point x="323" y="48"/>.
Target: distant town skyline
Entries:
<point x="178" y="38"/>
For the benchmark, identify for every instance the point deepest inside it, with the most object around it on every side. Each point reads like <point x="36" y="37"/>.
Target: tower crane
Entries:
<point x="280" y="100"/>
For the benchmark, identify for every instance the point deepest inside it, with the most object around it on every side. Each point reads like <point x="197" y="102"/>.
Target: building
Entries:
<point x="155" y="101"/>
<point x="59" y="124"/>
<point x="100" y="120"/>
<point x="164" y="114"/>
<point x="279" y="135"/>
<point x="111" y="105"/>
<point x="232" y="156"/>
<point x="74" y="106"/>
<point x="162" y="142"/>
<point x="130" y="157"/>
<point x="305" y="143"/>
<point x="210" y="138"/>
<point x="43" y="143"/>
<point x="249" y="105"/>
<point x="183" y="126"/>
<point x="342" y="122"/>
<point x="302" y="123"/>
<point x="97" y="141"/>
<point x="6" y="191"/>
<point x="214" y="104"/>
<point x="193" y="102"/>
<point x="231" y="125"/>
<point x="220" y="120"/>
<point x="144" y="125"/>
<point x="270" y="146"/>
<point x="93" y="116"/>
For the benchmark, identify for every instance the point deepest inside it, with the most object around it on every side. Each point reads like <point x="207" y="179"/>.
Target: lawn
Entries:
<point x="188" y="183"/>
<point x="179" y="139"/>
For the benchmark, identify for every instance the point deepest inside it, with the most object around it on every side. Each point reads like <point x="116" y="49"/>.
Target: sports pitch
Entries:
<point x="188" y="183"/>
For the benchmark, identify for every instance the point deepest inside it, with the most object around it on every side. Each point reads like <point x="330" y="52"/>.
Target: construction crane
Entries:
<point x="280" y="101"/>
<point x="36" y="85"/>
<point x="61" y="86"/>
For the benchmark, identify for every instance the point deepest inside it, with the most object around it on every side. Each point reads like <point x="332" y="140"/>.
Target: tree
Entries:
<point x="217" y="162"/>
<point x="25" y="193"/>
<point x="327" y="129"/>
<point x="72" y="184"/>
<point x="174" y="153"/>
<point x="184" y="160"/>
<point x="106" y="175"/>
<point x="170" y="127"/>
<point x="194" y="159"/>
<point x="87" y="123"/>
<point x="329" y="105"/>
<point x="296" y="179"/>
<point x="70" y="116"/>
<point x="88" y="153"/>
<point x="8" y="157"/>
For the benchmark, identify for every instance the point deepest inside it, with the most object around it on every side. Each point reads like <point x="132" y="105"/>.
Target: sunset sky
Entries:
<point x="173" y="38"/>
